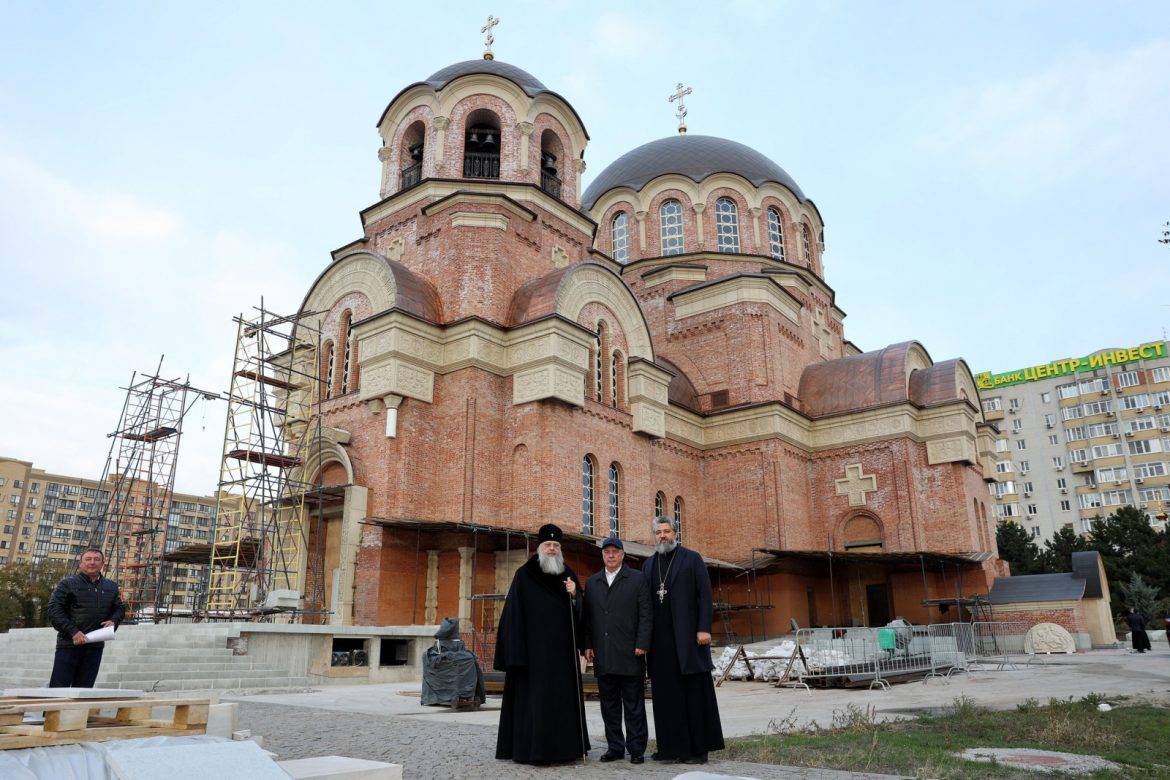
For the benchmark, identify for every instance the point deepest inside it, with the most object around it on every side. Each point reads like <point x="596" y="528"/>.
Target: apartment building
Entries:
<point x="1081" y="437"/>
<point x="49" y="517"/>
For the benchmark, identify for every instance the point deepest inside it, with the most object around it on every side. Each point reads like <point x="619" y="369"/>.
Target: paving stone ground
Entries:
<point x="442" y="750"/>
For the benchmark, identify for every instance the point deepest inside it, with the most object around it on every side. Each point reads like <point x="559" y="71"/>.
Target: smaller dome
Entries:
<point x="521" y="78"/>
<point x="693" y="156"/>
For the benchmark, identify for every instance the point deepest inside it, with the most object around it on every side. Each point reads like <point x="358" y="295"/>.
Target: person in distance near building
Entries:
<point x="1137" y="629"/>
<point x="82" y="602"/>
<point x="617" y="637"/>
<point x="686" y="713"/>
<point x="542" y="719"/>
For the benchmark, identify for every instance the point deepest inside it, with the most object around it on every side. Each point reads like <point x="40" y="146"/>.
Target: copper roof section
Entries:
<point x="857" y="382"/>
<point x="415" y="295"/>
<point x="681" y="392"/>
<point x="938" y="384"/>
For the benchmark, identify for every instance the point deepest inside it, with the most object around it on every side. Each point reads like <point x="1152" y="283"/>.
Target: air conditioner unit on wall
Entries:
<point x="1011" y="410"/>
<point x="1129" y="434"/>
<point x="1140" y="481"/>
<point x="1060" y="468"/>
<point x="1064" y="491"/>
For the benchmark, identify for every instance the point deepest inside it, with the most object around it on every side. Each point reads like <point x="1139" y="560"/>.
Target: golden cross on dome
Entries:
<point x="680" y="93"/>
<point x="489" y="40"/>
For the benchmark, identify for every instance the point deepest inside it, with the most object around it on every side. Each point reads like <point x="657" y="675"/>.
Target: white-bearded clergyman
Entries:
<point x="542" y="720"/>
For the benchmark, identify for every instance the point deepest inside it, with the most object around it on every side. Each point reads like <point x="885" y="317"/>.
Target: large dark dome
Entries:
<point x="521" y="78"/>
<point x="693" y="156"/>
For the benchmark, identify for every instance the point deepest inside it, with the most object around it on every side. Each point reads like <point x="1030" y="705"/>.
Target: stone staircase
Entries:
<point x="168" y="657"/>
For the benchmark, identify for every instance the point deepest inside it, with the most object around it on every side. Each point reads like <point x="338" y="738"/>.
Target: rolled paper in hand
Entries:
<point x="103" y="634"/>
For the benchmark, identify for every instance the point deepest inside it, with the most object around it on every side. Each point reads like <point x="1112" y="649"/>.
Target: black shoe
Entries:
<point x="637" y="760"/>
<point x="655" y="756"/>
<point x="610" y="755"/>
<point x="701" y="758"/>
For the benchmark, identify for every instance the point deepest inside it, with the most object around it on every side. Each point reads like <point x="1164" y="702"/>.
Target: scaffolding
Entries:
<point x="130" y="526"/>
<point x="256" y="559"/>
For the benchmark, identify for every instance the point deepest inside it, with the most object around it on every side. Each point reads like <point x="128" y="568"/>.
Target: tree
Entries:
<point x="1129" y="545"/>
<point x="24" y="592"/>
<point x="1057" y="555"/>
<point x="1017" y="548"/>
<point x="1136" y="593"/>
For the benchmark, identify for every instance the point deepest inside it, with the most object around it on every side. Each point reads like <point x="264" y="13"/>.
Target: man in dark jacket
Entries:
<point x="686" y="712"/>
<point x="617" y="637"/>
<point x="82" y="602"/>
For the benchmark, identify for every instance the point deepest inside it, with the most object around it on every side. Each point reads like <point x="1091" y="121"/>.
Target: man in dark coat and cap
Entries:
<point x="542" y="720"/>
<point x="686" y="713"/>
<point x="617" y="636"/>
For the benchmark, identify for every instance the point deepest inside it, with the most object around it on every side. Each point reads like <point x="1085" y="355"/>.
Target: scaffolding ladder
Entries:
<point x="131" y="526"/>
<point x="259" y="531"/>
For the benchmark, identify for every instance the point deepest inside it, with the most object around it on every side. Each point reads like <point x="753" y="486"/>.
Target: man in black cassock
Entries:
<point x="542" y="720"/>
<point x="686" y="713"/>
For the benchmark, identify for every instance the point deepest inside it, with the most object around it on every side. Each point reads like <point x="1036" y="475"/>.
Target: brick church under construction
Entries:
<point x="501" y="349"/>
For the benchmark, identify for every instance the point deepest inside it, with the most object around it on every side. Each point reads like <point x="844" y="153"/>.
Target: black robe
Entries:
<point x="543" y="715"/>
<point x="686" y="712"/>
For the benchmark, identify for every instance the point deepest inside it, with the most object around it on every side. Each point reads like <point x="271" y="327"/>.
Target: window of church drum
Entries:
<point x="598" y="364"/>
<point x="659" y="503"/>
<point x="678" y="516"/>
<point x="346" y="338"/>
<point x="412" y="155"/>
<point x="620" y="238"/>
<point x="327" y="370"/>
<point x="615" y="512"/>
<point x="727" y="225"/>
<point x="671" y="227"/>
<point x="587" y="473"/>
<point x="806" y="244"/>
<point x="615" y="379"/>
<point x="775" y="234"/>
<point x="481" y="146"/>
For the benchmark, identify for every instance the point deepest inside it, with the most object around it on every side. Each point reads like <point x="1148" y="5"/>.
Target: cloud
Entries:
<point x="1077" y="114"/>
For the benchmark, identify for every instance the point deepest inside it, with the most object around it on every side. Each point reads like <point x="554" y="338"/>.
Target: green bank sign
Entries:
<point x="1114" y="357"/>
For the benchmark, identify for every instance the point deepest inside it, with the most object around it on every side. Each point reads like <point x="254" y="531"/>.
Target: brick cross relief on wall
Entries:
<point x="855" y="484"/>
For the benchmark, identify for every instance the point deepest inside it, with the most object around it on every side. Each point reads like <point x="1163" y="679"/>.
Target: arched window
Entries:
<point x="413" y="144"/>
<point x="620" y="238"/>
<point x="659" y="503"/>
<point x="614" y="362"/>
<point x="615" y="488"/>
<point x="345" y="339"/>
<point x="806" y="244"/>
<point x="727" y="225"/>
<point x="599" y="363"/>
<point x="678" y="516"/>
<point x="671" y="227"/>
<point x="481" y="146"/>
<point x="775" y="234"/>
<point x="587" y="474"/>
<point x="327" y="364"/>
<point x="550" y="150"/>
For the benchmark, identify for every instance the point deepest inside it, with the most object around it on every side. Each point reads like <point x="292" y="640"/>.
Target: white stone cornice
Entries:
<point x="949" y="431"/>
<point x="674" y="273"/>
<point x="430" y="190"/>
<point x="647" y="387"/>
<point x="732" y="291"/>
<point x="402" y="355"/>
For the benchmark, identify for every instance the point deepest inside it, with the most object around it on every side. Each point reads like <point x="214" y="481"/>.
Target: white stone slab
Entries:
<point x="75" y="693"/>
<point x="223" y="719"/>
<point x="195" y="762"/>
<point x="340" y="768"/>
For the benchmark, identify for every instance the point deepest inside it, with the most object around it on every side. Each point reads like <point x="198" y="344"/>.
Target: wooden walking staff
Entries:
<point x="577" y="675"/>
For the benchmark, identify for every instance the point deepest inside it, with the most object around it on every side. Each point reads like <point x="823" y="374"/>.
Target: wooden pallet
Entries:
<point x="68" y="721"/>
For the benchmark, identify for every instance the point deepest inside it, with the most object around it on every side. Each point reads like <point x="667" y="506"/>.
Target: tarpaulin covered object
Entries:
<point x="451" y="675"/>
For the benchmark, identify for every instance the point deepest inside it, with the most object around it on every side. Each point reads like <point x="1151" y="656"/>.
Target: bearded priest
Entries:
<point x="686" y="713"/>
<point x="542" y="720"/>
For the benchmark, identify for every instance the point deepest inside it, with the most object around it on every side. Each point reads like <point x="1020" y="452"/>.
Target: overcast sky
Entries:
<point x="993" y="176"/>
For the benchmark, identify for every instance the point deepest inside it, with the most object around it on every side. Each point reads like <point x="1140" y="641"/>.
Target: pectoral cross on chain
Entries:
<point x="661" y="592"/>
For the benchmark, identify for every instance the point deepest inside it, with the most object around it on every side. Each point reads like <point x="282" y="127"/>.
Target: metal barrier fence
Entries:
<point x="857" y="656"/>
<point x="999" y="642"/>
